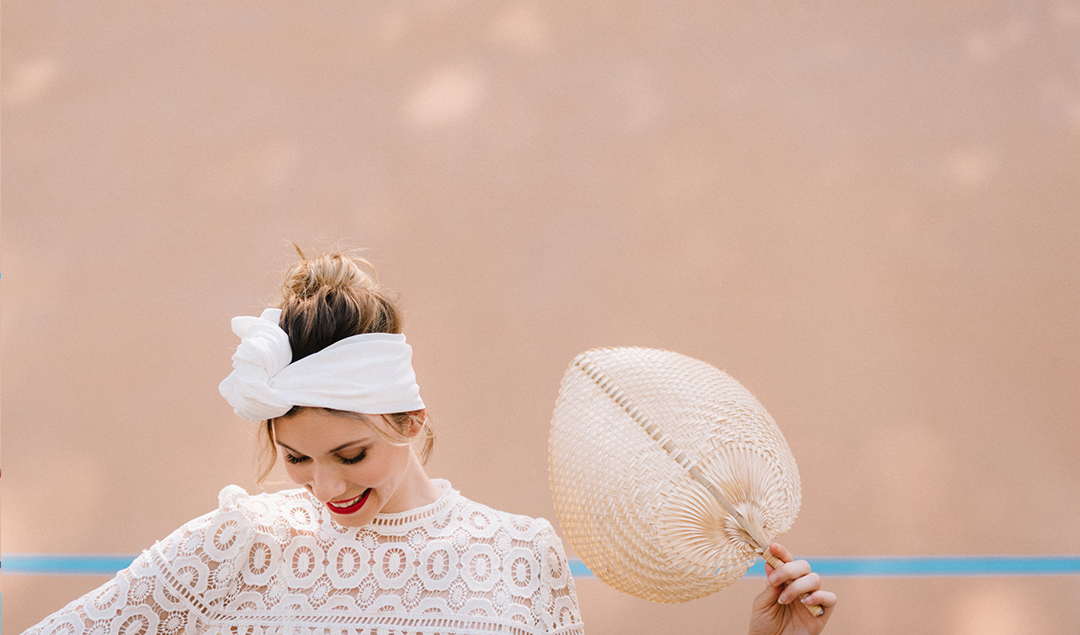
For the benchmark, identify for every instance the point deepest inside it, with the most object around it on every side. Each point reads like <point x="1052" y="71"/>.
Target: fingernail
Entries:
<point x="772" y="580"/>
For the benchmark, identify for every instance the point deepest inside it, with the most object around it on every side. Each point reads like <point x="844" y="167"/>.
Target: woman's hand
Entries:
<point x="778" y="609"/>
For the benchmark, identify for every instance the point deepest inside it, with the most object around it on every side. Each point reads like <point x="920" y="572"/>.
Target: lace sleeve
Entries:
<point x="174" y="587"/>
<point x="556" y="598"/>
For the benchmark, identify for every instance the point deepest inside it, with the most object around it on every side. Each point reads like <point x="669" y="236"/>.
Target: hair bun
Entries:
<point x="330" y="297"/>
<point x="333" y="272"/>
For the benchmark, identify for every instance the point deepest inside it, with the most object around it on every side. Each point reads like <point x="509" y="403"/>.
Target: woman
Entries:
<point x="370" y="544"/>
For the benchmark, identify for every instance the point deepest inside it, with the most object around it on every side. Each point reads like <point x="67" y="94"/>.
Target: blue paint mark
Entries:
<point x="579" y="570"/>
<point x="836" y="567"/>
<point x="915" y="566"/>
<point x="901" y="566"/>
<point x="64" y="564"/>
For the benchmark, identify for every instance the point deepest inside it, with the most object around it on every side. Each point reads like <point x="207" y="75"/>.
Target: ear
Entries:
<point x="416" y="423"/>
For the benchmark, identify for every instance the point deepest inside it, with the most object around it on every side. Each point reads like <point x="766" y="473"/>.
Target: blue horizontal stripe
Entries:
<point x="838" y="567"/>
<point x="63" y="564"/>
<point x="915" y="566"/>
<point x="890" y="566"/>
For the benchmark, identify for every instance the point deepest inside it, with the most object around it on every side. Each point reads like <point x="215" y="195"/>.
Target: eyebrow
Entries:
<point x="337" y="449"/>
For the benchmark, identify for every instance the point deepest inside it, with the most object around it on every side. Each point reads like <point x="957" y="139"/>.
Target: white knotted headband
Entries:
<point x="370" y="373"/>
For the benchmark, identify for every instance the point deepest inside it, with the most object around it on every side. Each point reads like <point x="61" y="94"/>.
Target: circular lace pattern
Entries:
<point x="136" y="620"/>
<point x="348" y="563"/>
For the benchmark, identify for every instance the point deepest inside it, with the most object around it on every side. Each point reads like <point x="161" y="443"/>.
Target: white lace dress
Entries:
<point x="277" y="563"/>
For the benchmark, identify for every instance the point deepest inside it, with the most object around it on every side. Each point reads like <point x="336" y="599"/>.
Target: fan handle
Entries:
<point x="759" y="545"/>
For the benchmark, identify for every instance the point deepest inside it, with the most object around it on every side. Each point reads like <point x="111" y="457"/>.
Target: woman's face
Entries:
<point x="345" y="464"/>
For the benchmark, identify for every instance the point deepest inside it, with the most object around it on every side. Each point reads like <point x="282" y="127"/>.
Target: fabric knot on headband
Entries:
<point x="370" y="373"/>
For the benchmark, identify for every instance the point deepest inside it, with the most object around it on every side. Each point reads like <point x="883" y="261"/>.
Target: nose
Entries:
<point x="327" y="483"/>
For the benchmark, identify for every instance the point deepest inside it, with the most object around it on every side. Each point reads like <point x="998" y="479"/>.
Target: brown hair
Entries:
<point x="325" y="299"/>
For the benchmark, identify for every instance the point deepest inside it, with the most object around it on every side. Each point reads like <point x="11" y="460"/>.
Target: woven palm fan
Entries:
<point x="668" y="477"/>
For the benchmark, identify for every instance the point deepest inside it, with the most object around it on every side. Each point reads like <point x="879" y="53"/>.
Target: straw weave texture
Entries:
<point x="630" y="507"/>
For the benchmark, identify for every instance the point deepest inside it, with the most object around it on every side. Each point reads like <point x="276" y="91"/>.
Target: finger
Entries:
<point x="806" y="584"/>
<point x="780" y="551"/>
<point x="767" y="597"/>
<point x="824" y="599"/>
<point x="790" y="571"/>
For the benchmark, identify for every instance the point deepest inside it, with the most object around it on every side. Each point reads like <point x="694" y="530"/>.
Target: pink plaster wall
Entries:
<point x="865" y="212"/>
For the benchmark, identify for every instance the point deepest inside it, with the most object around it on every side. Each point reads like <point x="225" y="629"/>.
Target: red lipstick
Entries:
<point x="351" y="509"/>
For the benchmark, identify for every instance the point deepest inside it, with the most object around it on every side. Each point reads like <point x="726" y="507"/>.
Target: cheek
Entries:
<point x="385" y="468"/>
<point x="297" y="473"/>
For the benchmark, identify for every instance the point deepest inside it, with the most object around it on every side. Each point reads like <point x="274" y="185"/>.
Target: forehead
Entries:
<point x="314" y="429"/>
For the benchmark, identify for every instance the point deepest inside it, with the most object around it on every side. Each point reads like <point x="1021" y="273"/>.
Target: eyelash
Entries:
<point x="354" y="460"/>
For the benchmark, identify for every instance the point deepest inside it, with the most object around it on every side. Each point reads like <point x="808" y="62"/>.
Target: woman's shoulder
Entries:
<point x="227" y="532"/>
<point x="241" y="522"/>
<point x="236" y="497"/>
<point x="292" y="508"/>
<point x="485" y="521"/>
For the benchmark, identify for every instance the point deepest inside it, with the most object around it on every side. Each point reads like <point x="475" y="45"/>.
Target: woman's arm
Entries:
<point x="176" y="586"/>
<point x="137" y="600"/>
<point x="778" y="610"/>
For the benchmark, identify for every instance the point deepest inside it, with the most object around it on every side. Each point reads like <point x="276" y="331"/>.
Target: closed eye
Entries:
<point x="294" y="459"/>
<point x="355" y="459"/>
